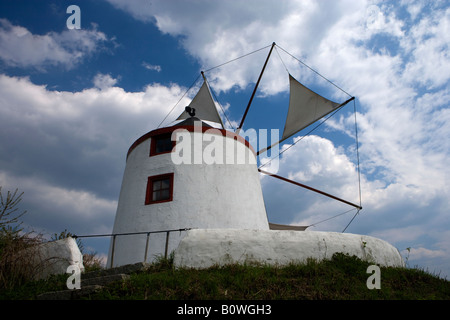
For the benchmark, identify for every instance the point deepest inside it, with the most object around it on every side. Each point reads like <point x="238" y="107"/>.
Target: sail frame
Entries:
<point x="204" y="105"/>
<point x="298" y="118"/>
<point x="305" y="108"/>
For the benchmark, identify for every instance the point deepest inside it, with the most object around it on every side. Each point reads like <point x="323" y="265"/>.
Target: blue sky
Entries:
<point x="73" y="101"/>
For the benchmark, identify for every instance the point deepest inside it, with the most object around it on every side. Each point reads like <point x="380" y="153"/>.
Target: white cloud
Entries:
<point x="59" y="208"/>
<point x="104" y="81"/>
<point x="402" y="234"/>
<point x="19" y="47"/>
<point x="424" y="253"/>
<point x="151" y="67"/>
<point x="223" y="31"/>
<point x="67" y="150"/>
<point x="428" y="42"/>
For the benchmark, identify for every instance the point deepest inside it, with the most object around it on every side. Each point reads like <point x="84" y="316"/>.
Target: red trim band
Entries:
<point x="161" y="131"/>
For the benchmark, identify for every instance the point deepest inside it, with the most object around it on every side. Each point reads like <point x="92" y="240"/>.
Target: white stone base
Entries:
<point x="203" y="248"/>
<point x="54" y="257"/>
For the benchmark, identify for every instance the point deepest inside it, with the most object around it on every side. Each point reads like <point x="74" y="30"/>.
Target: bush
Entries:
<point x="15" y="268"/>
<point x="16" y="246"/>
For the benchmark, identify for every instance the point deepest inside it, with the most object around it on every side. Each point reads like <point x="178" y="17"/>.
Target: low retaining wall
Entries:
<point x="203" y="248"/>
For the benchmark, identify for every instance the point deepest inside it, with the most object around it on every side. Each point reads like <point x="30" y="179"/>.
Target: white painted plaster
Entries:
<point x="54" y="257"/>
<point x="203" y="248"/>
<point x="205" y="196"/>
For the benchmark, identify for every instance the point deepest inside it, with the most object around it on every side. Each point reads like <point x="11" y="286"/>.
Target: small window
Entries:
<point x="159" y="188"/>
<point x="161" y="144"/>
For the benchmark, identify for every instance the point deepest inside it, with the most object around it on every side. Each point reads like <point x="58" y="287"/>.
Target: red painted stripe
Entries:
<point x="160" y="131"/>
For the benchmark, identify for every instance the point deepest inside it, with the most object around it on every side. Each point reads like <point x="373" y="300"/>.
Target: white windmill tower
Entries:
<point x="189" y="175"/>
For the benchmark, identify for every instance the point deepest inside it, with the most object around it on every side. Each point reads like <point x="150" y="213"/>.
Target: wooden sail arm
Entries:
<point x="285" y="138"/>
<point x="254" y="90"/>
<point x="310" y="188"/>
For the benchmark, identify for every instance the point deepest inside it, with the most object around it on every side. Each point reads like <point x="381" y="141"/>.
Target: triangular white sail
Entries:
<point x="205" y="108"/>
<point x="305" y="107"/>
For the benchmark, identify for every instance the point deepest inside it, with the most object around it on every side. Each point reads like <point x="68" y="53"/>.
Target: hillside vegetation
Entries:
<point x="341" y="278"/>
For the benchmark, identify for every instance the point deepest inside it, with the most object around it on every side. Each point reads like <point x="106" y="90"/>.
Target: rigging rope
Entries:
<point x="281" y="60"/>
<point x="193" y="83"/>
<point x="218" y="66"/>
<point x="357" y="152"/>
<point x="351" y="220"/>
<point x="340" y="214"/>
<point x="220" y="105"/>
<point x="316" y="72"/>
<point x="222" y="64"/>
<point x="358" y="167"/>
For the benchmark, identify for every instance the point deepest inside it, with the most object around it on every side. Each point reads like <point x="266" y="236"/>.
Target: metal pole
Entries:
<point x="167" y="244"/>
<point x="146" y="247"/>
<point x="310" y="188"/>
<point x="112" y="250"/>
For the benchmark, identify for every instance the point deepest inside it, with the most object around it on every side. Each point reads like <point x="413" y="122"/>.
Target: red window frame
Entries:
<point x="154" y="141"/>
<point x="150" y="183"/>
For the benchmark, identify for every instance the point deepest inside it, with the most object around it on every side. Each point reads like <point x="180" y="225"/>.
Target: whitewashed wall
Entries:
<point x="204" y="248"/>
<point x="205" y="195"/>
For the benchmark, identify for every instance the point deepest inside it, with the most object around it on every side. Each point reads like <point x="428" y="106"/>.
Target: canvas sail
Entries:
<point x="205" y="108"/>
<point x="305" y="107"/>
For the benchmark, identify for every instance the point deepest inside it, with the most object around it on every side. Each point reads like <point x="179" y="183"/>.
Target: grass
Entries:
<point x="341" y="278"/>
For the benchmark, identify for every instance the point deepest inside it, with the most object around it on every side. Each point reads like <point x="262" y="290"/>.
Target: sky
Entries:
<point x="72" y="101"/>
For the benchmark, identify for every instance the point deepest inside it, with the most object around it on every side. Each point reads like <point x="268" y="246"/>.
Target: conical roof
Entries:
<point x="192" y="121"/>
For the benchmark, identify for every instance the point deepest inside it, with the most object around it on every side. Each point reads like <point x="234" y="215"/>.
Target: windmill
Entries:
<point x="306" y="108"/>
<point x="192" y="175"/>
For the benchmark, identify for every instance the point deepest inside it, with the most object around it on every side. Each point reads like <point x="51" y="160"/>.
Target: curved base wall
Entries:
<point x="203" y="248"/>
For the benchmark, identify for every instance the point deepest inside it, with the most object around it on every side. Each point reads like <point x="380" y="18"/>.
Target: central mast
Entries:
<point x="254" y="90"/>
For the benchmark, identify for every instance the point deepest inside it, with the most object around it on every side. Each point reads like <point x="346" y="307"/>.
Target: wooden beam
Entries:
<point x="310" y="188"/>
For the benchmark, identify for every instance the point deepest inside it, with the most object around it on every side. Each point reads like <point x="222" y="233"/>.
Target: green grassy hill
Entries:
<point x="341" y="278"/>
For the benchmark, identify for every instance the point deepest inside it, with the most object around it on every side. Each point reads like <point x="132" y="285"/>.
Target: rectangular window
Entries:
<point x="161" y="144"/>
<point x="159" y="188"/>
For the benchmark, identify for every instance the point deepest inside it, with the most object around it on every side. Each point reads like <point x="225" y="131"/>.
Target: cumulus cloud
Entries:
<point x="104" y="81"/>
<point x="223" y="32"/>
<point x="60" y="207"/>
<point x="21" y="48"/>
<point x="149" y="66"/>
<point x="428" y="42"/>
<point x="67" y="150"/>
